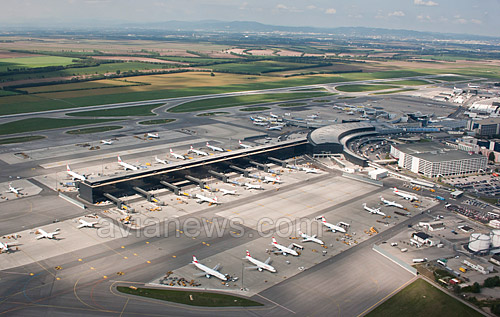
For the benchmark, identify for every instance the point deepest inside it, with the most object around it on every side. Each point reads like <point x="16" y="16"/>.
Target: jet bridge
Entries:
<point x="172" y="187"/>
<point x="119" y="203"/>
<point x="281" y="162"/>
<point x="219" y="175"/>
<point x="239" y="169"/>
<point x="149" y="197"/>
<point x="196" y="180"/>
<point x="263" y="166"/>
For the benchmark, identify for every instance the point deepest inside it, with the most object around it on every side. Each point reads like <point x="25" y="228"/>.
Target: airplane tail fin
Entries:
<point x="195" y="260"/>
<point x="248" y="254"/>
<point x="208" y="144"/>
<point x="67" y="168"/>
<point x="119" y="158"/>
<point x="274" y="241"/>
<point x="171" y="151"/>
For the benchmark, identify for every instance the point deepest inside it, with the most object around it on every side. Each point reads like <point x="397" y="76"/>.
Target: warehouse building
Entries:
<point x="434" y="159"/>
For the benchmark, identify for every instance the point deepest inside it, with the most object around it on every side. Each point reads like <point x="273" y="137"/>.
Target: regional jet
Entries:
<point x="74" y="175"/>
<point x="202" y="199"/>
<point x="227" y="191"/>
<point x="14" y="190"/>
<point x="406" y="196"/>
<point x="48" y="235"/>
<point x="252" y="186"/>
<point x="285" y="250"/>
<point x="153" y="135"/>
<point x="373" y="210"/>
<point x="87" y="224"/>
<point x="268" y="179"/>
<point x="260" y="123"/>
<point x="391" y="203"/>
<point x="158" y="160"/>
<point x="245" y="146"/>
<point x="198" y="152"/>
<point x="214" y="148"/>
<point x="255" y="119"/>
<point x="259" y="265"/>
<point x="177" y="156"/>
<point x="331" y="226"/>
<point x="310" y="170"/>
<point x="5" y="247"/>
<point x="273" y="115"/>
<point x="127" y="166"/>
<point x="107" y="142"/>
<point x="208" y="272"/>
<point x="308" y="238"/>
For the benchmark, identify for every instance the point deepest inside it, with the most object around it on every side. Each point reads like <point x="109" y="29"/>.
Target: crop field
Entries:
<point x="361" y="88"/>
<point x="7" y="93"/>
<point x="197" y="60"/>
<point x="118" y="112"/>
<point x="257" y="67"/>
<point x="422" y="299"/>
<point x="32" y="62"/>
<point x="224" y="102"/>
<point x="39" y="124"/>
<point x="22" y="139"/>
<point x="104" y="83"/>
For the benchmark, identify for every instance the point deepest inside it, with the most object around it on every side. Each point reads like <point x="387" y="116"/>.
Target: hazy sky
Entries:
<point x="455" y="16"/>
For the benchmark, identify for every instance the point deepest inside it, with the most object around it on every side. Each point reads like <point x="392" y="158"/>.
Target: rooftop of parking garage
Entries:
<point x="334" y="133"/>
<point x="454" y="155"/>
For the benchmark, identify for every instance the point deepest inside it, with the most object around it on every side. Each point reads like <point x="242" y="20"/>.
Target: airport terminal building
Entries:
<point x="433" y="159"/>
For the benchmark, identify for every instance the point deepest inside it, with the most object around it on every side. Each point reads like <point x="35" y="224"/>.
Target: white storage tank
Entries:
<point x="495" y="238"/>
<point x="479" y="242"/>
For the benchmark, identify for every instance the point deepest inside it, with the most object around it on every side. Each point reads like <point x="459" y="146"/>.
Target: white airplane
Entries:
<point x="208" y="272"/>
<point x="198" y="152"/>
<point x="14" y="190"/>
<point x="268" y="179"/>
<point x="276" y="127"/>
<point x="255" y="119"/>
<point x="107" y="142"/>
<point x="74" y="175"/>
<point x="158" y="160"/>
<point x="331" y="226"/>
<point x="127" y="166"/>
<point x="406" y="196"/>
<point x="177" y="156"/>
<point x="472" y="86"/>
<point x="259" y="265"/>
<point x="227" y="191"/>
<point x="87" y="224"/>
<point x="153" y="135"/>
<point x="48" y="235"/>
<point x="285" y="250"/>
<point x="391" y="203"/>
<point x="310" y="170"/>
<point x="215" y="148"/>
<point x="273" y="115"/>
<point x="308" y="238"/>
<point x="252" y="186"/>
<point x="5" y="247"/>
<point x="202" y="199"/>
<point x="373" y="210"/>
<point x="245" y="146"/>
<point x="260" y="123"/>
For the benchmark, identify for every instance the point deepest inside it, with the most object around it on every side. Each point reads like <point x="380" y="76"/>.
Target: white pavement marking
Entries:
<point x="276" y="303"/>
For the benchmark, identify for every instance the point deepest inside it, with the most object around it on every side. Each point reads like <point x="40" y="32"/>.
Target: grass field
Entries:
<point x="7" y="93"/>
<point x="346" y="97"/>
<point x="392" y="91"/>
<point x="292" y="104"/>
<point x="243" y="100"/>
<point x="210" y="114"/>
<point x="118" y="112"/>
<point x="361" y="88"/>
<point x="451" y="78"/>
<point x="32" y="62"/>
<point x="39" y="124"/>
<point x="94" y="129"/>
<point x="422" y="299"/>
<point x="104" y="83"/>
<point x="157" y="121"/>
<point x="21" y="139"/>
<point x="413" y="82"/>
<point x="257" y="67"/>
<point x="191" y="298"/>
<point x="250" y="109"/>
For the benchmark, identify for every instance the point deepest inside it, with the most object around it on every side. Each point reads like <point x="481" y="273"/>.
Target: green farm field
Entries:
<point x="258" y="67"/>
<point x="32" y="62"/>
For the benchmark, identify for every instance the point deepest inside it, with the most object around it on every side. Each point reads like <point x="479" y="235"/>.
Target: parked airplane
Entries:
<point x="227" y="191"/>
<point x="245" y="146"/>
<point x="255" y="119"/>
<point x="74" y="175"/>
<point x="285" y="250"/>
<point x="260" y="123"/>
<point x="215" y="148"/>
<point x="127" y="166"/>
<point x="208" y="272"/>
<point x="177" y="156"/>
<point x="373" y="210"/>
<point x="107" y="142"/>
<point x="313" y="116"/>
<point x="153" y="135"/>
<point x="406" y="196"/>
<point x="198" y="152"/>
<point x="48" y="235"/>
<point x="268" y="179"/>
<point x="202" y="199"/>
<point x="273" y="115"/>
<point x="252" y="186"/>
<point x="259" y="265"/>
<point x="275" y="127"/>
<point x="87" y="224"/>
<point x="472" y="86"/>
<point x="308" y="238"/>
<point x="331" y="226"/>
<point x="391" y="203"/>
<point x="14" y="190"/>
<point x="158" y="160"/>
<point x="5" y="247"/>
<point x="310" y="170"/>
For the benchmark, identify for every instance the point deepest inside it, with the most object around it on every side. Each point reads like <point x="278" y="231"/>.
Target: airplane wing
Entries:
<point x="307" y="240"/>
<point x="81" y="226"/>
<point x="217" y="267"/>
<point x="252" y="267"/>
<point x="291" y="246"/>
<point x="200" y="274"/>
<point x="268" y="260"/>
<point x="39" y="237"/>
